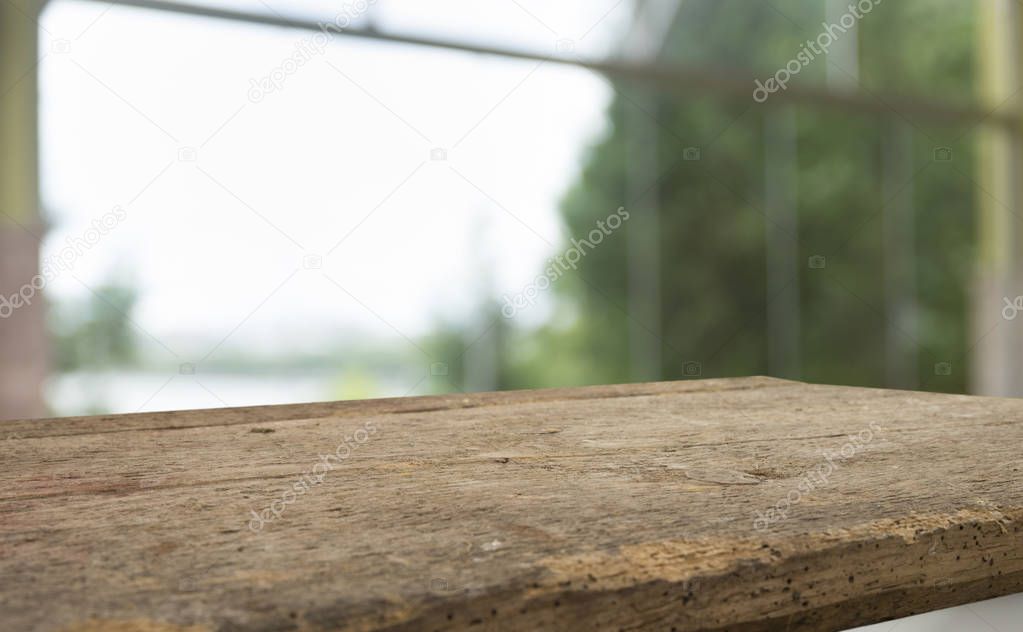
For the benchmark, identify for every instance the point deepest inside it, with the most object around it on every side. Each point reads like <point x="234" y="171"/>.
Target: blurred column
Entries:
<point x="482" y="363"/>
<point x="995" y="357"/>
<point x="643" y="238"/>
<point x="899" y="257"/>
<point x="23" y="348"/>
<point x="644" y="43"/>
<point x="781" y="240"/>
<point x="482" y="357"/>
<point x="842" y="62"/>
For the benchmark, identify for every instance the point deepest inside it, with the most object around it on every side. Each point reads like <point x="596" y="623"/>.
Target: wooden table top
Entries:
<point x="739" y="504"/>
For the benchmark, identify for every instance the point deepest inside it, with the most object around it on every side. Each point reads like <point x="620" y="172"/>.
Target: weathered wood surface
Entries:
<point x="641" y="507"/>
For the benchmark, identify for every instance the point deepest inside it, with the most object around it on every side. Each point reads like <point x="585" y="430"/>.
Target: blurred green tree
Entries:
<point x="95" y="332"/>
<point x="712" y="219"/>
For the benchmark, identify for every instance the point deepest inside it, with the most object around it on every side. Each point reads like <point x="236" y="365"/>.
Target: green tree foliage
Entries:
<point x="96" y="332"/>
<point x="711" y="211"/>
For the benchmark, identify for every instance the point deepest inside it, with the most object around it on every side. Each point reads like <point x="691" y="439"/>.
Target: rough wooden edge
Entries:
<point x="892" y="568"/>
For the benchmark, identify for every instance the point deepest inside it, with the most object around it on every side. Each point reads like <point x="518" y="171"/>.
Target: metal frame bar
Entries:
<point x="996" y="368"/>
<point x="730" y="83"/>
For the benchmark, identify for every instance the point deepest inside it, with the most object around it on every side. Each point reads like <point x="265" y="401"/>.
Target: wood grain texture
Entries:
<point x="740" y="504"/>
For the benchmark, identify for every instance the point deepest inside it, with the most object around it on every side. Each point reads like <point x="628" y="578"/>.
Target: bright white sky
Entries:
<point x="131" y="88"/>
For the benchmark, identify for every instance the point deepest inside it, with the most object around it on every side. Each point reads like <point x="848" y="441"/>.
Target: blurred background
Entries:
<point x="239" y="202"/>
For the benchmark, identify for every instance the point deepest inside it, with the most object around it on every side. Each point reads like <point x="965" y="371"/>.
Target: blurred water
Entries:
<point x="101" y="392"/>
